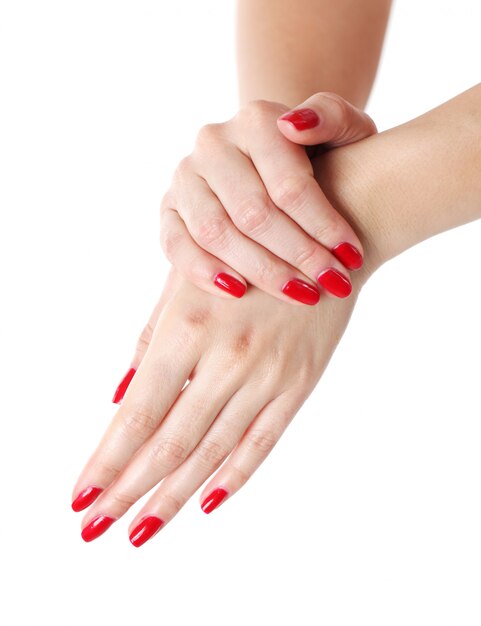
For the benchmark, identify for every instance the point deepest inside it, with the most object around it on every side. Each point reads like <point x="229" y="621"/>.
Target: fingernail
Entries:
<point x="299" y="290"/>
<point x="335" y="282"/>
<point x="230" y="284"/>
<point x="145" y="530"/>
<point x="348" y="255"/>
<point x="97" y="527"/>
<point x="122" y="388"/>
<point x="85" y="498"/>
<point x="302" y="119"/>
<point x="213" y="500"/>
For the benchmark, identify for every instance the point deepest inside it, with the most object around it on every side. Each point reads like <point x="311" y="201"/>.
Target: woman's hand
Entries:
<point x="250" y="366"/>
<point x="245" y="206"/>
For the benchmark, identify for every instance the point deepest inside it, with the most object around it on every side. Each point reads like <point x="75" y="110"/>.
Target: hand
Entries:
<point x="245" y="206"/>
<point x="250" y="366"/>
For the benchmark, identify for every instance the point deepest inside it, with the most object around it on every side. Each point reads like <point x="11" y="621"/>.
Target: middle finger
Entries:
<point x="180" y="431"/>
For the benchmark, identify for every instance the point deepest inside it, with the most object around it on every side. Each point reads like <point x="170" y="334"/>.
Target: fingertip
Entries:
<point x="348" y="255"/>
<point x="230" y="284"/>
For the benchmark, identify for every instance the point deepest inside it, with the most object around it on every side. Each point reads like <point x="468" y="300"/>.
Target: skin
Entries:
<point x="253" y="362"/>
<point x="264" y="220"/>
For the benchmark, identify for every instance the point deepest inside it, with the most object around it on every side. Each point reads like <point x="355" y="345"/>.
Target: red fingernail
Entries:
<point x="85" y="498"/>
<point x="122" y="388"/>
<point x="299" y="290"/>
<point x="348" y="255"/>
<point x="213" y="500"/>
<point x="335" y="282"/>
<point x="145" y="530"/>
<point x="230" y="284"/>
<point x="302" y="118"/>
<point x="97" y="527"/>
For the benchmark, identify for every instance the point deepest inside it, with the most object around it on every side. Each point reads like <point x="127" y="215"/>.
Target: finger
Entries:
<point x="256" y="444"/>
<point x="288" y="176"/>
<point x="326" y="118"/>
<point x="197" y="265"/>
<point x="143" y="342"/>
<point x="182" y="429"/>
<point x="176" y="489"/>
<point x="86" y="496"/>
<point x="255" y="215"/>
<point x="143" y="407"/>
<point x="211" y="227"/>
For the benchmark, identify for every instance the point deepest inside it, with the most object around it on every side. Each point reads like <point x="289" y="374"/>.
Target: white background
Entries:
<point x="368" y="510"/>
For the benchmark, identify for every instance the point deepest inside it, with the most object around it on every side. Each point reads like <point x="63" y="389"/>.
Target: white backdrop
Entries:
<point x="366" y="512"/>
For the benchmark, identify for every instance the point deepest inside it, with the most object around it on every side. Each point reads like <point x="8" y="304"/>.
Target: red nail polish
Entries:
<point x="230" y="284"/>
<point x="348" y="255"/>
<point x="85" y="498"/>
<point x="145" y="530"/>
<point x="122" y="388"/>
<point x="335" y="282"/>
<point x="299" y="290"/>
<point x="302" y="119"/>
<point x="97" y="527"/>
<point x="213" y="500"/>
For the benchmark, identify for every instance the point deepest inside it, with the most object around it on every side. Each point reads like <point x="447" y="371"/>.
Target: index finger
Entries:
<point x="143" y="407"/>
<point x="288" y="176"/>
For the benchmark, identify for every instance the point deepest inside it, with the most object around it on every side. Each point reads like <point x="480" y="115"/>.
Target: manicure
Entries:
<point x="122" y="388"/>
<point x="97" y="527"/>
<point x="213" y="500"/>
<point x="348" y="255"/>
<point x="335" y="282"/>
<point x="230" y="284"/>
<point x="85" y="498"/>
<point x="145" y="530"/>
<point x="299" y="290"/>
<point x="302" y="119"/>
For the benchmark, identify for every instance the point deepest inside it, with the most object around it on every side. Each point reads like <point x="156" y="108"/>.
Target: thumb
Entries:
<point x="326" y="118"/>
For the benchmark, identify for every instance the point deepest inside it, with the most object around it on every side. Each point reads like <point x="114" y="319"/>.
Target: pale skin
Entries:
<point x="264" y="220"/>
<point x="252" y="362"/>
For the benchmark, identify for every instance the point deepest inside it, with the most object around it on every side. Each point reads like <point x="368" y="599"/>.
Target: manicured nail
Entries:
<point x="299" y="290"/>
<point x="145" y="530"/>
<point x="85" y="498"/>
<point x="230" y="284"/>
<point x="348" y="255"/>
<point x="302" y="119"/>
<point x="122" y="388"/>
<point x="97" y="527"/>
<point x="335" y="282"/>
<point x="213" y="500"/>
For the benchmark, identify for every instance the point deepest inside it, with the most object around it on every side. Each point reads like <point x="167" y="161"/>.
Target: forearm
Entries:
<point x="411" y="182"/>
<point x="289" y="49"/>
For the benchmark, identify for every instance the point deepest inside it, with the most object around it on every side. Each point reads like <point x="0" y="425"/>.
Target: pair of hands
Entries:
<point x="219" y="379"/>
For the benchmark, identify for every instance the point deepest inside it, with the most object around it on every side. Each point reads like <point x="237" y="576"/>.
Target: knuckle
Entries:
<point x="261" y="441"/>
<point x="123" y="500"/>
<point x="139" y="422"/>
<point x="307" y="255"/>
<point x="208" y="134"/>
<point x="242" y="475"/>
<point x="172" y="502"/>
<point x="182" y="172"/>
<point x="291" y="192"/>
<point x="168" y="451"/>
<point x="211" y="452"/>
<point x="110" y="470"/>
<point x="264" y="269"/>
<point x="254" y="214"/>
<point x="327" y="230"/>
<point x="211" y="232"/>
<point x="257" y="110"/>
<point x="169" y="241"/>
